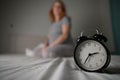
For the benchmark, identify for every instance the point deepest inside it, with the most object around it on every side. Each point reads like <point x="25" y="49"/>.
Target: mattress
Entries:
<point x="20" y="67"/>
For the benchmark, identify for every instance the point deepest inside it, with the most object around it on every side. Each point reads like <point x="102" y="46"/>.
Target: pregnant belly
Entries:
<point x="53" y="38"/>
<point x="67" y="41"/>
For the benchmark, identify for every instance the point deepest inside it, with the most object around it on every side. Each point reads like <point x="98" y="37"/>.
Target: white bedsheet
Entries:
<point x="19" y="67"/>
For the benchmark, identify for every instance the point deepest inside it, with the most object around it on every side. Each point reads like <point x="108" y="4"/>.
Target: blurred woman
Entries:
<point x="59" y="42"/>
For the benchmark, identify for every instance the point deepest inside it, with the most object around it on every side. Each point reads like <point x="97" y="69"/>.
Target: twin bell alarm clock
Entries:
<point x="90" y="53"/>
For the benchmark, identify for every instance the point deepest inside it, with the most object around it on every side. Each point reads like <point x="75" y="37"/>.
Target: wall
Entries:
<point x="20" y="18"/>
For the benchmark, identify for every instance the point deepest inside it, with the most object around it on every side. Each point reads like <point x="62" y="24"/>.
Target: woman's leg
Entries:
<point x="59" y="51"/>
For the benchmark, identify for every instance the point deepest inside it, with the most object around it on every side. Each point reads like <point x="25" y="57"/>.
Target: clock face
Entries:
<point x="91" y="55"/>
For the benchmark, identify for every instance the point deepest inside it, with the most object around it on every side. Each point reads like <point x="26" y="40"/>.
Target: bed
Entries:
<point x="20" y="67"/>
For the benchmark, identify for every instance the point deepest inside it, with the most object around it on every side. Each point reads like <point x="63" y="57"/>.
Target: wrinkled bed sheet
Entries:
<point x="20" y="67"/>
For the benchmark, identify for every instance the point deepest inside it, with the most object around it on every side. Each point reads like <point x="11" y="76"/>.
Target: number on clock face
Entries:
<point x="92" y="55"/>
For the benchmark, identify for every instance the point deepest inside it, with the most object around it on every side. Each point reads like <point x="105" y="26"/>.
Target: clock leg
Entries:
<point x="103" y="71"/>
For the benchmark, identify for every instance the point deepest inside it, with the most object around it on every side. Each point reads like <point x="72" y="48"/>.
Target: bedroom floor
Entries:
<point x="20" y="67"/>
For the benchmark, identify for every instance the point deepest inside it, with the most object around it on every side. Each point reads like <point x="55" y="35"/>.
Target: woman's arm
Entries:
<point x="63" y="36"/>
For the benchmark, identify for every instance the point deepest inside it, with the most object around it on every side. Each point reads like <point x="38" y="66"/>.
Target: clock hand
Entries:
<point x="90" y="54"/>
<point x="95" y="53"/>
<point x="87" y="57"/>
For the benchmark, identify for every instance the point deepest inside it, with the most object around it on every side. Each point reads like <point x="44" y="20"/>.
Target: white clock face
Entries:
<point x="91" y="55"/>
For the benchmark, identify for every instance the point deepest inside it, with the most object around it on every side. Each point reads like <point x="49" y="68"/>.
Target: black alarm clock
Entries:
<point x="90" y="54"/>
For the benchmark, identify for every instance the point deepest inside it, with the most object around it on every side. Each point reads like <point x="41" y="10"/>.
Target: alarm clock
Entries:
<point x="90" y="53"/>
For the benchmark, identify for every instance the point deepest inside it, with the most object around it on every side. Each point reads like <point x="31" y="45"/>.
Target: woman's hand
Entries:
<point x="44" y="48"/>
<point x="52" y="45"/>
